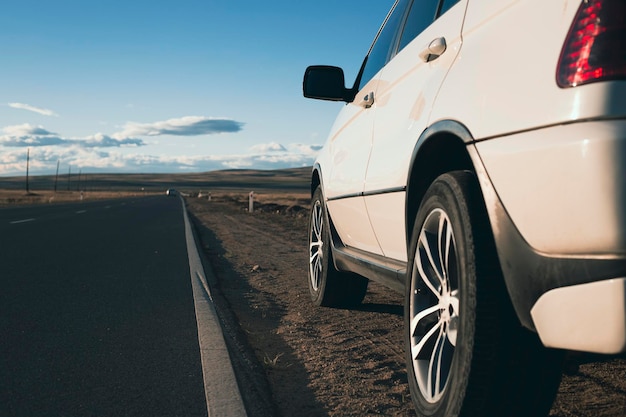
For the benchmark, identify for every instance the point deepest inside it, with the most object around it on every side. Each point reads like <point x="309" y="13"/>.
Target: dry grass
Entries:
<point x="279" y="202"/>
<point x="282" y="198"/>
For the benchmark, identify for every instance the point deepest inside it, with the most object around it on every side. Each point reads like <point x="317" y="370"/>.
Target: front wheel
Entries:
<point x="467" y="355"/>
<point x="327" y="286"/>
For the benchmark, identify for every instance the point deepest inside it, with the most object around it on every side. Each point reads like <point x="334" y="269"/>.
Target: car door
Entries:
<point x="350" y="144"/>
<point x="408" y="86"/>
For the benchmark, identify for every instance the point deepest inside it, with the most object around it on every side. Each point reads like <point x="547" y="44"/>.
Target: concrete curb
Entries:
<point x="220" y="385"/>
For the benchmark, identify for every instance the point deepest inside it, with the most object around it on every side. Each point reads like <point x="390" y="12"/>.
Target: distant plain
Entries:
<point x="74" y="187"/>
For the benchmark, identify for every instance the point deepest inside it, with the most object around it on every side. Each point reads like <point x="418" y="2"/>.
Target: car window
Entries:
<point x="446" y="5"/>
<point x="379" y="53"/>
<point x="421" y="15"/>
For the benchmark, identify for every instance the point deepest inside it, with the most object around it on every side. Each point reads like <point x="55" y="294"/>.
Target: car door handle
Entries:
<point x="434" y="50"/>
<point x="368" y="100"/>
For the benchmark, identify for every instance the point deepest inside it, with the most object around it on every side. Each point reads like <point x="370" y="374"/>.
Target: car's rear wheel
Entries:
<point x="328" y="286"/>
<point x="467" y="355"/>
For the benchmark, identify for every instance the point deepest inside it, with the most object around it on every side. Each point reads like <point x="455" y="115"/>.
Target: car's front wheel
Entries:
<point x="327" y="286"/>
<point x="467" y="355"/>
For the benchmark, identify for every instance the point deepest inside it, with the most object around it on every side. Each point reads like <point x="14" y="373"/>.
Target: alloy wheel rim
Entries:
<point x="434" y="305"/>
<point x="316" y="245"/>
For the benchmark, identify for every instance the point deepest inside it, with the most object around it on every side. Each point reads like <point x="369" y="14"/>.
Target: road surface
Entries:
<point x="96" y="311"/>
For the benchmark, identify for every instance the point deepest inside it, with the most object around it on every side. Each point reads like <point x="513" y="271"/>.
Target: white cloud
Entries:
<point x="103" y="141"/>
<point x="27" y="135"/>
<point x="268" y="147"/>
<point x="309" y="150"/>
<point x="28" y="107"/>
<point x="26" y="130"/>
<point x="20" y="136"/>
<point x="120" y="153"/>
<point x="13" y="162"/>
<point x="184" y="126"/>
<point x="44" y="159"/>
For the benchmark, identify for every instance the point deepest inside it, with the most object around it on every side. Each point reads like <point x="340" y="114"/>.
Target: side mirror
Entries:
<point x="326" y="83"/>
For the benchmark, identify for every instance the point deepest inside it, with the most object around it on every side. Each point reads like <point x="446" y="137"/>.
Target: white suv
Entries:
<point x="479" y="166"/>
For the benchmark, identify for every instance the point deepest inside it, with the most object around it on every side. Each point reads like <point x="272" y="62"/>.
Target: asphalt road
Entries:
<point x="96" y="311"/>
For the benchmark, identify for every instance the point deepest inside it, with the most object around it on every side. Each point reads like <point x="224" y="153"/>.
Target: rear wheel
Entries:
<point x="327" y="286"/>
<point x="467" y="355"/>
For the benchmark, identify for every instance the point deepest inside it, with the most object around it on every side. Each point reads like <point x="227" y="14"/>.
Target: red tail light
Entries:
<point x="595" y="48"/>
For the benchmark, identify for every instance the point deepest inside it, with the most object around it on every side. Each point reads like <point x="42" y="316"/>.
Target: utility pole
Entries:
<point x="27" y="166"/>
<point x="56" y="177"/>
<point x="69" y="175"/>
<point x="80" y="171"/>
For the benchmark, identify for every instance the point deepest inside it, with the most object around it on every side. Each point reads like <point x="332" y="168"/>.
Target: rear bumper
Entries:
<point x="587" y="317"/>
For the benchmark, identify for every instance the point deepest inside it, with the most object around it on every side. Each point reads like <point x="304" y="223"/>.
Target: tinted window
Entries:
<point x="379" y="53"/>
<point x="421" y="15"/>
<point x="446" y="5"/>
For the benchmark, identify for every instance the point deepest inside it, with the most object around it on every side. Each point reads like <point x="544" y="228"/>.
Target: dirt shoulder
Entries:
<point x="296" y="359"/>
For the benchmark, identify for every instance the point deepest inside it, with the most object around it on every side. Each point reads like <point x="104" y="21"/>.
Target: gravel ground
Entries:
<point x="296" y="359"/>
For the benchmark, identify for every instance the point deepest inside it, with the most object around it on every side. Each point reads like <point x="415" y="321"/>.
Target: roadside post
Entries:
<point x="251" y="202"/>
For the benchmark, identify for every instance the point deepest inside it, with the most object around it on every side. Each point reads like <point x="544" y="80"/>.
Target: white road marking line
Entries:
<point x="81" y="211"/>
<point x="22" y="221"/>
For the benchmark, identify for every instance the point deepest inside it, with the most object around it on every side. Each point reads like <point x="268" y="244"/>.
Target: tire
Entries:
<point x="329" y="287"/>
<point x="467" y="354"/>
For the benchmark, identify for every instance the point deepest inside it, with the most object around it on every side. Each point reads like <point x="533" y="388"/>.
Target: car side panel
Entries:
<point x="502" y="95"/>
<point x="407" y="89"/>
<point x="348" y="150"/>
<point x="388" y="209"/>
<point x="501" y="77"/>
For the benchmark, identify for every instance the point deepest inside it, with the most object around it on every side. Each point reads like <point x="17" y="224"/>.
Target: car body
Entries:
<point x="171" y="192"/>
<point x="504" y="121"/>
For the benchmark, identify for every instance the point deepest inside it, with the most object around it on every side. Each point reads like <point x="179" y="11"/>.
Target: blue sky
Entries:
<point x="178" y="86"/>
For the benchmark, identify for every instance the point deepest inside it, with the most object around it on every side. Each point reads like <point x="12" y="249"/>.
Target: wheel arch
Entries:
<point x="316" y="178"/>
<point x="441" y="148"/>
